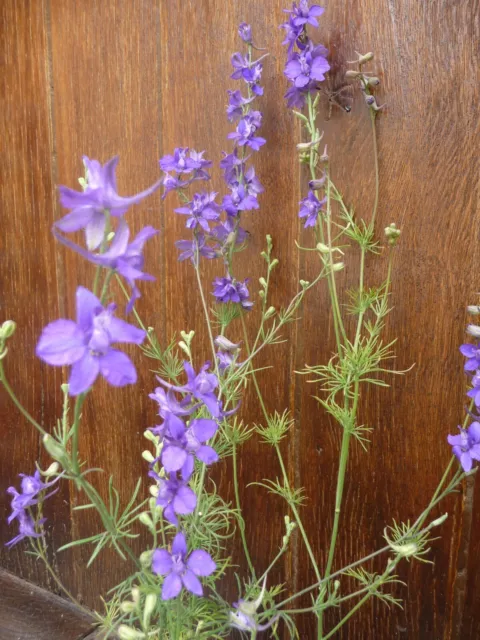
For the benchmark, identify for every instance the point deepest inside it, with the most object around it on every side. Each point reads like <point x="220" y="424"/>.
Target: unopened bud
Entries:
<point x="322" y="248"/>
<point x="146" y="559"/>
<point x="152" y="503"/>
<point x="269" y="312"/>
<point x="304" y="283"/>
<point x="154" y="490"/>
<point x="127" y="606"/>
<point x="52" y="469"/>
<point x="273" y="263"/>
<point x="148" y="456"/>
<point x="136" y="595"/>
<point x="263" y="282"/>
<point x="338" y="266"/>
<point x="336" y="585"/>
<point x="373" y="81"/>
<point x="473" y="330"/>
<point x="392" y="234"/>
<point x="439" y="521"/>
<point x="111" y="236"/>
<point x="150" y="436"/>
<point x="129" y="633"/>
<point x="55" y="449"/>
<point x="150" y="604"/>
<point x="324" y="157"/>
<point x="315" y="185"/>
<point x="362" y="59"/>
<point x="146" y="519"/>
<point x="351" y="74"/>
<point x="473" y="310"/>
<point x="225" y="344"/>
<point x="7" y="329"/>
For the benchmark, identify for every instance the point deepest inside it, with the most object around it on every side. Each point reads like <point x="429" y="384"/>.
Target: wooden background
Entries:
<point x="139" y="77"/>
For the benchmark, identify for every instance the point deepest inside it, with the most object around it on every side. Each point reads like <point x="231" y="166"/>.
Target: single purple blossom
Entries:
<point x="305" y="66"/>
<point x="124" y="257"/>
<point x="200" y="210"/>
<point x="239" y="199"/>
<point x="296" y="98"/>
<point x="472" y="353"/>
<point x="86" y="344"/>
<point x="180" y="570"/>
<point x="250" y="71"/>
<point x="252" y="183"/>
<point x="175" y="496"/>
<point x="303" y="14"/>
<point x="225" y="232"/>
<point x="292" y="34"/>
<point x="172" y="411"/>
<point x="227" y="352"/>
<point x="466" y="446"/>
<point x="244" y="618"/>
<point x="310" y="209"/>
<point x="193" y="248"/>
<point x="200" y="385"/>
<point x="30" y="488"/>
<point x="236" y="102"/>
<point x="27" y="528"/>
<point x="230" y="290"/>
<point x="184" y="161"/>
<point x="246" y="129"/>
<point x="475" y="391"/>
<point x="245" y="32"/>
<point x="100" y="195"/>
<point x="233" y="166"/>
<point x="180" y="446"/>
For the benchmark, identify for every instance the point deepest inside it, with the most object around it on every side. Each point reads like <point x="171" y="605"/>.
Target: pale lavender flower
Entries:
<point x="224" y="231"/>
<point x="245" y="32"/>
<point x="310" y="209"/>
<point x="172" y="410"/>
<point x="86" y="345"/>
<point x="305" y="66"/>
<point x="227" y="352"/>
<point x="193" y="248"/>
<point x="466" y="446"/>
<point x="472" y="353"/>
<point x="200" y="210"/>
<point x="244" y="617"/>
<point x="233" y="166"/>
<point x="27" y="528"/>
<point x="180" y="570"/>
<point x="30" y="488"/>
<point x="292" y="34"/>
<point x="181" y="445"/>
<point x="201" y="386"/>
<point x="239" y="200"/>
<point x="236" y="102"/>
<point x="303" y="14"/>
<point x="246" y="129"/>
<point x="175" y="496"/>
<point x="251" y="72"/>
<point x="100" y="195"/>
<point x="184" y="161"/>
<point x="228" y="289"/>
<point x="296" y="98"/>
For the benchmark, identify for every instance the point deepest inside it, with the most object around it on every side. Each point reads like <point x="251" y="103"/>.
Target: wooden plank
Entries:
<point x="30" y="613"/>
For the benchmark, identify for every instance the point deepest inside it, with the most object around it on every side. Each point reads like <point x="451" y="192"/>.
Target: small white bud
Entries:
<point x="129" y="633"/>
<point x="263" y="282"/>
<point x="127" y="606"/>
<point x="269" y="312"/>
<point x="146" y="519"/>
<point x="7" y="329"/>
<point x="147" y="455"/>
<point x="150" y="604"/>
<point x="473" y="310"/>
<point x="473" y="330"/>
<point x="154" y="490"/>
<point x="52" y="469"/>
<point x="440" y="520"/>
<point x="136" y="595"/>
<point x="322" y="248"/>
<point x="146" y="559"/>
<point x="338" y="266"/>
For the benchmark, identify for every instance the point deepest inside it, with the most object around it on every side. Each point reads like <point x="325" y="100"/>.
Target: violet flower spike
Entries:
<point x="86" y="345"/>
<point x="100" y="195"/>
<point x="180" y="570"/>
<point x="466" y="446"/>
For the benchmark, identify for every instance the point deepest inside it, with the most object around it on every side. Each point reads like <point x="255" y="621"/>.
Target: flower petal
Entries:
<point x="203" y="429"/>
<point x="95" y="230"/>
<point x="192" y="583"/>
<point x="76" y="219"/>
<point x="161" y="562"/>
<point x="117" y="368"/>
<point x="173" y="458"/>
<point x="87" y="306"/>
<point x="121" y="331"/>
<point x="179" y="545"/>
<point x="185" y="501"/>
<point x="206" y="454"/>
<point x="83" y="374"/>
<point x="201" y="563"/>
<point x="61" y="342"/>
<point x="172" y="586"/>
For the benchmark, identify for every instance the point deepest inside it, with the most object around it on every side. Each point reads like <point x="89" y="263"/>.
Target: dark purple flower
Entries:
<point x="239" y="200"/>
<point x="127" y="259"/>
<point x="305" y="66"/>
<point x="466" y="446"/>
<point x="303" y="14"/>
<point x="175" y="496"/>
<point x="183" y="161"/>
<point x="245" y="32"/>
<point x="472" y="353"/>
<point x="311" y="207"/>
<point x="180" y="570"/>
<point x="192" y="248"/>
<point x="236" y="102"/>
<point x="182" y="445"/>
<point x="88" y="207"/>
<point x="246" y="129"/>
<point x="233" y="166"/>
<point x="201" y="386"/>
<point x="27" y="528"/>
<point x="86" y="345"/>
<point x="230" y="290"/>
<point x="200" y="210"/>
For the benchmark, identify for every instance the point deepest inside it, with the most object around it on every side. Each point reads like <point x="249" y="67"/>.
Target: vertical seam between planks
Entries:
<point x="162" y="239"/>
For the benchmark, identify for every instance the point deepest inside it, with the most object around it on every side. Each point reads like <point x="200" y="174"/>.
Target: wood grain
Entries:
<point x="138" y="78"/>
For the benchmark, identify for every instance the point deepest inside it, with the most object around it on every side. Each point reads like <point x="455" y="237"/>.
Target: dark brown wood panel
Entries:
<point x="138" y="78"/>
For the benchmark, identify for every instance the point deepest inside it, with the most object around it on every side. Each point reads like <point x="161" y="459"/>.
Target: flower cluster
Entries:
<point x="181" y="440"/>
<point x="307" y="63"/>
<point x="32" y="494"/>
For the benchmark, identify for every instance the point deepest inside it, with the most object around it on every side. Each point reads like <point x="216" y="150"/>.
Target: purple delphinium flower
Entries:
<point x="181" y="445"/>
<point x="236" y="102"/>
<point x="171" y="410"/>
<point x="223" y="232"/>
<point x="88" y="207"/>
<point x="27" y="528"/>
<point x="472" y="353"/>
<point x="475" y="391"/>
<point x="126" y="259"/>
<point x="245" y="32"/>
<point x="250" y="71"/>
<point x="246" y="129"/>
<point x="30" y="487"/>
<point x="466" y="446"/>
<point x="296" y="98"/>
<point x="311" y="207"/>
<point x="239" y="200"/>
<point x="305" y="66"/>
<point x="86" y="344"/>
<point x="200" y="210"/>
<point x="227" y="352"/>
<point x="200" y="385"/>
<point x="175" y="496"/>
<point x="192" y="248"/>
<point x="292" y="34"/>
<point x="244" y="616"/>
<point x="184" y="161"/>
<point x="228" y="289"/>
<point x="233" y="166"/>
<point x="303" y="14"/>
<point x="180" y="570"/>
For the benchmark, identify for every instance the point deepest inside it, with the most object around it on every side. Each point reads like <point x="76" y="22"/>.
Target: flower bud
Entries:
<point x="150" y="436"/>
<point x="439" y="521"/>
<point x="322" y="248"/>
<point x="55" y="449"/>
<point x="136" y="595"/>
<point x="225" y="344"/>
<point x="52" y="469"/>
<point x="7" y="329"/>
<point x="263" y="282"/>
<point x="154" y="490"/>
<point x="304" y="283"/>
<point x="315" y="185"/>
<point x="146" y="519"/>
<point x="269" y="312"/>
<point x="127" y="606"/>
<point x="147" y="455"/>
<point x="351" y="74"/>
<point x="129" y="633"/>
<point x="338" y="266"/>
<point x="150" y="604"/>
<point x="392" y="234"/>
<point x="146" y="559"/>
<point x="273" y="264"/>
<point x="111" y="236"/>
<point x="362" y="59"/>
<point x="324" y="157"/>
<point x="245" y="32"/>
<point x="373" y="81"/>
<point x="473" y="310"/>
<point x="473" y="330"/>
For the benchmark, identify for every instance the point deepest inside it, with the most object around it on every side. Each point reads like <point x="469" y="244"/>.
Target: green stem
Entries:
<point x="207" y="317"/>
<point x="352" y="611"/>
<point x="76" y="429"/>
<point x="241" y="522"/>
<point x="377" y="173"/>
<point x="17" y="403"/>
